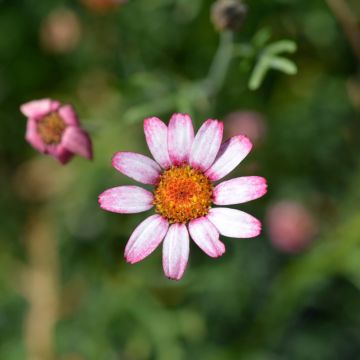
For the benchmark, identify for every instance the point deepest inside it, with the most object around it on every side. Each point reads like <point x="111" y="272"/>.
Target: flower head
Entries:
<point x="183" y="175"/>
<point x="54" y="129"/>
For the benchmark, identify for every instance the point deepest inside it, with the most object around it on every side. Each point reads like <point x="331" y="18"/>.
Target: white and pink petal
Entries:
<point x="230" y="154"/>
<point x="239" y="190"/>
<point x="156" y="134"/>
<point x="234" y="223"/>
<point x="206" y="236"/>
<point x="180" y="138"/>
<point x="176" y="251"/>
<point x="206" y="144"/>
<point x="126" y="199"/>
<point x="138" y="167"/>
<point x="146" y="238"/>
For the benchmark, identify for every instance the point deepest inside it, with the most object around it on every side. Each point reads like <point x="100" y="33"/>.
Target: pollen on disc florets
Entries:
<point x="50" y="128"/>
<point x="183" y="194"/>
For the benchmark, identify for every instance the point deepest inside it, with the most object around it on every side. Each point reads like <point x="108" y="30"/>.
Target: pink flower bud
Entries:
<point x="54" y="129"/>
<point x="249" y="123"/>
<point x="291" y="227"/>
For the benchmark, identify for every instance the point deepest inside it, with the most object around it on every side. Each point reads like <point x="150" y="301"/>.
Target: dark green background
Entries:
<point x="254" y="303"/>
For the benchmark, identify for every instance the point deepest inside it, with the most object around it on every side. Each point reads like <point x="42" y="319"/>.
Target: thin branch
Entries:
<point x="348" y="22"/>
<point x="220" y="65"/>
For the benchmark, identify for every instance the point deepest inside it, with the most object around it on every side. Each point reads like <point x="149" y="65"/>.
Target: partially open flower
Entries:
<point x="291" y="226"/>
<point x="183" y="175"/>
<point x="228" y="14"/>
<point x="54" y="129"/>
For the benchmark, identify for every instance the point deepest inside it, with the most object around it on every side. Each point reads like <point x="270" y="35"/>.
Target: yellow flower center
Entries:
<point x="50" y="128"/>
<point x="183" y="194"/>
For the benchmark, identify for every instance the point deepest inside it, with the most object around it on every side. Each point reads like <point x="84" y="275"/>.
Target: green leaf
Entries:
<point x="283" y="64"/>
<point x="258" y="74"/>
<point x="269" y="59"/>
<point x="281" y="46"/>
<point x="261" y="37"/>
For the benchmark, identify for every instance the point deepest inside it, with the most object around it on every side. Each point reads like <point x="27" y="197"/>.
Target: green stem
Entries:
<point x="220" y="64"/>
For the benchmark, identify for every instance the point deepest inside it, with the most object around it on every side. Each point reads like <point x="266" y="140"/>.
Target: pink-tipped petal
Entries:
<point x="33" y="137"/>
<point x="239" y="190"/>
<point x="68" y="114"/>
<point x="206" y="236"/>
<point x="231" y="153"/>
<point x="146" y="238"/>
<point x="206" y="144"/>
<point x="234" y="223"/>
<point x="77" y="141"/>
<point x="62" y="154"/>
<point x="138" y="167"/>
<point x="180" y="138"/>
<point x="126" y="199"/>
<point x="38" y="108"/>
<point x="176" y="251"/>
<point x="156" y="134"/>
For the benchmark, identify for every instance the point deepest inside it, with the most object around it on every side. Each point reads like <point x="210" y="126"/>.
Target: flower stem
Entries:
<point x="220" y="64"/>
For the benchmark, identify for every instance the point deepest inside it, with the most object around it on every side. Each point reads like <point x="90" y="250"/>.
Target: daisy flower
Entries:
<point x="183" y="175"/>
<point x="54" y="129"/>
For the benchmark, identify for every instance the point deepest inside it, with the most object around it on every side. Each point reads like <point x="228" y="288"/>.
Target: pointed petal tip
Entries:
<point x="62" y="155"/>
<point x="245" y="140"/>
<point x="151" y="119"/>
<point x="230" y="155"/>
<point x="175" y="278"/>
<point x="129" y="260"/>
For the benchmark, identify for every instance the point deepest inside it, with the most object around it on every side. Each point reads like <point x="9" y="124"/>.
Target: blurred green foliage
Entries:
<point x="152" y="58"/>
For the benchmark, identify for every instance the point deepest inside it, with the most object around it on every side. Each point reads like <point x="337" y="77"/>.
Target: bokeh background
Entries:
<point x="292" y="293"/>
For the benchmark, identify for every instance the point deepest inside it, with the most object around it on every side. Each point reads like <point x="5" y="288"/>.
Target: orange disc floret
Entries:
<point x="183" y="194"/>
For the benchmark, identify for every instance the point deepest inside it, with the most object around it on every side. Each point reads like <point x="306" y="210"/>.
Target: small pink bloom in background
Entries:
<point x="103" y="5"/>
<point x="291" y="227"/>
<point x="54" y="129"/>
<point x="183" y="175"/>
<point x="60" y="32"/>
<point x="249" y="123"/>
